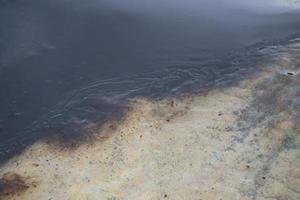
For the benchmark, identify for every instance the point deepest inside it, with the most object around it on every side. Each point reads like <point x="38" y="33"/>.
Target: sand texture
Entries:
<point x="235" y="142"/>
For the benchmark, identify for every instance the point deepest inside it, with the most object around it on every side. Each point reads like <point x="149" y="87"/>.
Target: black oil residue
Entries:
<point x="67" y="64"/>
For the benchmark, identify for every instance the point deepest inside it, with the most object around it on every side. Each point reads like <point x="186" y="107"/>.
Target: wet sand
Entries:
<point x="237" y="142"/>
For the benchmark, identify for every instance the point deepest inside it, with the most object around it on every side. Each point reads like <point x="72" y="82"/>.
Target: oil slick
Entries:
<point x="239" y="142"/>
<point x="12" y="184"/>
<point x="60" y="46"/>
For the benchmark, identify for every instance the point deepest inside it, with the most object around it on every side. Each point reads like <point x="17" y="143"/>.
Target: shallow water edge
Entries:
<point x="241" y="141"/>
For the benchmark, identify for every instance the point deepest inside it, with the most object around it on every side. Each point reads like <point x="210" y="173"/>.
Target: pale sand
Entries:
<point x="238" y="142"/>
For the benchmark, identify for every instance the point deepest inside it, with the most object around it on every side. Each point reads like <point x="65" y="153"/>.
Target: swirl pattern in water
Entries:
<point x="66" y="67"/>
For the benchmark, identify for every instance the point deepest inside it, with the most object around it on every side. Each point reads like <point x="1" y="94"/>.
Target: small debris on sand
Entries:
<point x="239" y="142"/>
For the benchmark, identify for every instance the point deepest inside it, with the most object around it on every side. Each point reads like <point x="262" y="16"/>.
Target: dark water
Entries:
<point x="67" y="63"/>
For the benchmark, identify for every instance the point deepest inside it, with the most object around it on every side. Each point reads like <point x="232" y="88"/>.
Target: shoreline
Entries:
<point x="239" y="142"/>
<point x="81" y="112"/>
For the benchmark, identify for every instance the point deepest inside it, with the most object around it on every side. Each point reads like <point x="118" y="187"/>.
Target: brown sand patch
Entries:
<point x="12" y="184"/>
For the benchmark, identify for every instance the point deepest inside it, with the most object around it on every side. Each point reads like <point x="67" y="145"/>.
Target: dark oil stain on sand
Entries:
<point x="13" y="184"/>
<point x="67" y="64"/>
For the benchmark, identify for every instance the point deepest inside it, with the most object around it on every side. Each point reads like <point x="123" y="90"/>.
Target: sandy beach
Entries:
<point x="236" y="142"/>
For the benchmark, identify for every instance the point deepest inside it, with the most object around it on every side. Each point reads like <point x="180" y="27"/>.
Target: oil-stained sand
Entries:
<point x="240" y="142"/>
